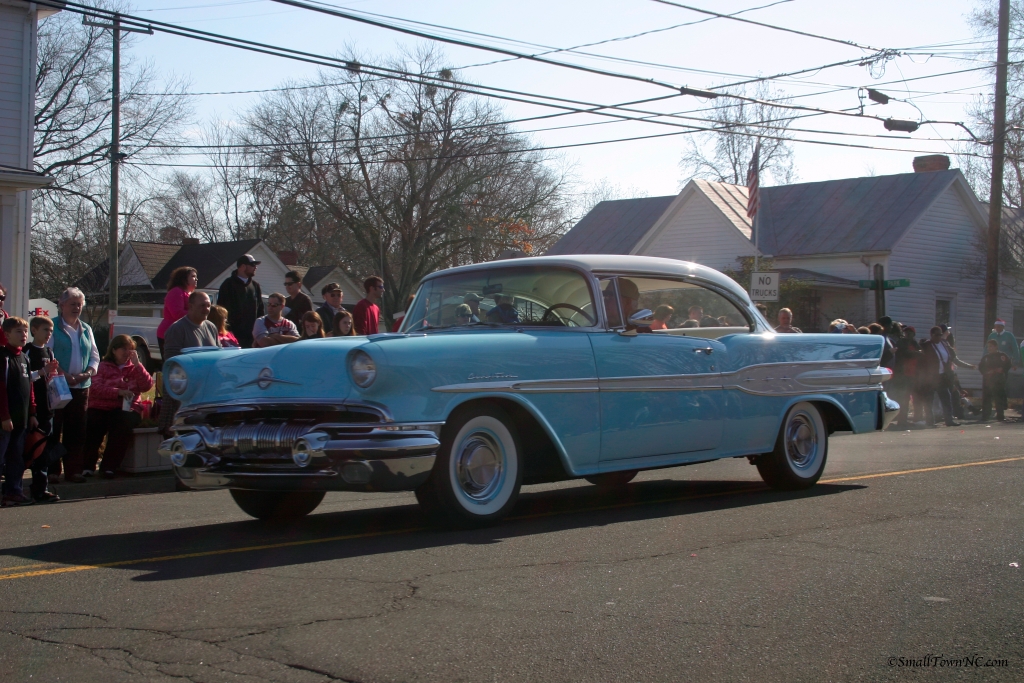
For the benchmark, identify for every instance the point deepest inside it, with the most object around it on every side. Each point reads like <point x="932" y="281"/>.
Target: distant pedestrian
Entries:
<point x="888" y="329"/>
<point x="333" y="296"/>
<point x="366" y="316"/>
<point x="183" y="281"/>
<point x="662" y="316"/>
<point x="312" y="327"/>
<point x="17" y="411"/>
<point x="786" y="323"/>
<point x="298" y="303"/>
<point x="115" y="406"/>
<point x="993" y="367"/>
<point x="74" y="345"/>
<point x="219" y="317"/>
<point x="342" y="325"/>
<point x="273" y="328"/>
<point x="904" y="382"/>
<point x="189" y="332"/>
<point x="241" y="295"/>
<point x="1007" y="342"/>
<point x="43" y="365"/>
<point x="936" y="369"/>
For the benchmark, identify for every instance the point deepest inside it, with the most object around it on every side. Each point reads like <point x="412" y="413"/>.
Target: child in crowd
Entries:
<point x="17" y="410"/>
<point x="993" y="368"/>
<point x="43" y="365"/>
<point x="219" y="317"/>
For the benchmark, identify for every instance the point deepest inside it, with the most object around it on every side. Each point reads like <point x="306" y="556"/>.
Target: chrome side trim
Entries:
<point x="534" y="386"/>
<point x="767" y="379"/>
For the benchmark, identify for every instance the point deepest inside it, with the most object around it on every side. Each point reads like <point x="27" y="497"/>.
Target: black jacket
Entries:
<point x="17" y="403"/>
<point x="244" y="302"/>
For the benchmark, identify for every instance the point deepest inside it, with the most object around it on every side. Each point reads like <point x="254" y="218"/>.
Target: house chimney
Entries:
<point x="932" y="162"/>
<point x="189" y="240"/>
<point x="289" y="258"/>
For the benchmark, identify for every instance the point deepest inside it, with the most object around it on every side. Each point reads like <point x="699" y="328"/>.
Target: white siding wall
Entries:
<point x="933" y="255"/>
<point x="13" y="70"/>
<point x="698" y="232"/>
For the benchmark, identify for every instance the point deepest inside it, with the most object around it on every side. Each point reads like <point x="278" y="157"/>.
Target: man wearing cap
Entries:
<point x="242" y="296"/>
<point x="473" y="301"/>
<point x="1006" y="341"/>
<point x="332" y="295"/>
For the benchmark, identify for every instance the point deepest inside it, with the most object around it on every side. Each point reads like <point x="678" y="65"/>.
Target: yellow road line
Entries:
<point x="918" y="471"/>
<point x="374" y="534"/>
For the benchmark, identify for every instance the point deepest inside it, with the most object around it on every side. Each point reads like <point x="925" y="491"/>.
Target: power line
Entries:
<point x="848" y="43"/>
<point x="400" y="75"/>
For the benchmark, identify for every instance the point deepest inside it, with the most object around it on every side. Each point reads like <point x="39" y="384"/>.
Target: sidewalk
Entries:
<point x="126" y="485"/>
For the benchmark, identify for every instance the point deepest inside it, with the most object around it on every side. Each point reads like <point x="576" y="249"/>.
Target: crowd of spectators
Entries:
<point x="924" y="371"/>
<point x="90" y="431"/>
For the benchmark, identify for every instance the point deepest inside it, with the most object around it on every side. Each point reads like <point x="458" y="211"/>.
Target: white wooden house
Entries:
<point x="924" y="227"/>
<point x="18" y="35"/>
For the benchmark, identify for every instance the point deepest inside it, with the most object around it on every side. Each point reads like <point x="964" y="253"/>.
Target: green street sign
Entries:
<point x="886" y="284"/>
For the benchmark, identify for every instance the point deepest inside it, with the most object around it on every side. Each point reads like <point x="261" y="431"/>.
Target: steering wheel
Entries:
<point x="566" y="321"/>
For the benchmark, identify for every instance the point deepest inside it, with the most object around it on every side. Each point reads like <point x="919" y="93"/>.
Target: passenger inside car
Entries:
<point x="504" y="312"/>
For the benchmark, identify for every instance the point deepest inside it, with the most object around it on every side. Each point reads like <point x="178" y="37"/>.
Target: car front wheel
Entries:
<point x="478" y="472"/>
<point x="800" y="451"/>
<point x="277" y="505"/>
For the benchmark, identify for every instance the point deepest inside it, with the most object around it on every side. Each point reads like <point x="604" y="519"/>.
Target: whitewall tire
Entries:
<point x="801" y="450"/>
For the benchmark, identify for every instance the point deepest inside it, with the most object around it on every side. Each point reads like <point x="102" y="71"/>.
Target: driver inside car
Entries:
<point x="629" y="299"/>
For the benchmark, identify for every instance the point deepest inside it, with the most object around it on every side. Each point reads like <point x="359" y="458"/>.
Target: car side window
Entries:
<point x="688" y="307"/>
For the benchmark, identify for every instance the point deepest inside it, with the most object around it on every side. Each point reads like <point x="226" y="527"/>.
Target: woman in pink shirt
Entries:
<point x="183" y="282"/>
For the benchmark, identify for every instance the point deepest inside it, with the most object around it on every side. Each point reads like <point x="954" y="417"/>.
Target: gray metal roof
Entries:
<point x="848" y="215"/>
<point x="612" y="227"/>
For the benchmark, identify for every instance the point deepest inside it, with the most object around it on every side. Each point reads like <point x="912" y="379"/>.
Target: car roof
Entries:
<point x="611" y="263"/>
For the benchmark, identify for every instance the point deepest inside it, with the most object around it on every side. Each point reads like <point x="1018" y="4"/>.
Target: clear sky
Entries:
<point x="719" y="45"/>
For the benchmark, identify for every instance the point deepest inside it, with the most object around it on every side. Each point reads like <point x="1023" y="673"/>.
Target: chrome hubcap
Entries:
<point x="801" y="441"/>
<point x="479" y="466"/>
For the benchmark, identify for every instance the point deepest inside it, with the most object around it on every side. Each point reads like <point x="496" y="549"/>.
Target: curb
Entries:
<point x="162" y="482"/>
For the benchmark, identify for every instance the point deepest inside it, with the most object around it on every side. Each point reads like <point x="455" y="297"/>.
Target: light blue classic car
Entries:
<point x="524" y="371"/>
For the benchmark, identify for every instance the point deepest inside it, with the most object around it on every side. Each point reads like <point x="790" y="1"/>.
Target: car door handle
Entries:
<point x="707" y="351"/>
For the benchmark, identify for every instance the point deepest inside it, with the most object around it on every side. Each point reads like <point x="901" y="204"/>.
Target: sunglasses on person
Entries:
<point x="289" y="284"/>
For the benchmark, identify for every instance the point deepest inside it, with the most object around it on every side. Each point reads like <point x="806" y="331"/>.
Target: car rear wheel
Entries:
<point x="478" y="472"/>
<point x="277" y="505"/>
<point x="612" y="480"/>
<point x="801" y="450"/>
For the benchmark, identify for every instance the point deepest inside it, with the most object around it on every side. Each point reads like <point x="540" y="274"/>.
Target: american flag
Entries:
<point x="753" y="183"/>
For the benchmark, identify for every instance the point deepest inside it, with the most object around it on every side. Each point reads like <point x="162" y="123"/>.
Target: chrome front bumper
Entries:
<point x="284" y="456"/>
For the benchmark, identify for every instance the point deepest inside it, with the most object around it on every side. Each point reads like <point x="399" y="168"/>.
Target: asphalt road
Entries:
<point x="908" y="549"/>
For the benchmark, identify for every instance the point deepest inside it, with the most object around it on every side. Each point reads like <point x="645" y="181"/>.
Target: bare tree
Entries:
<point x="402" y="176"/>
<point x="724" y="154"/>
<point x="72" y="123"/>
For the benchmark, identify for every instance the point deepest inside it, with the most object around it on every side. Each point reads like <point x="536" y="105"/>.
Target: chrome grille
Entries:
<point x="253" y="438"/>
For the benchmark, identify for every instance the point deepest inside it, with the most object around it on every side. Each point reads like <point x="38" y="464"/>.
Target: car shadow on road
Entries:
<point x="233" y="547"/>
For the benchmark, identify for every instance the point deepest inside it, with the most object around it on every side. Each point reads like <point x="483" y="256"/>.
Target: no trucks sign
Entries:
<point x="764" y="287"/>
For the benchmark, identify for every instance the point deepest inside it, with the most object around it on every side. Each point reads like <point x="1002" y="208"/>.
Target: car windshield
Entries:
<point x="535" y="295"/>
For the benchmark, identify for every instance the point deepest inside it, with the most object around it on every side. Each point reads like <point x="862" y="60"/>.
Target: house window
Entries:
<point x="1018" y="322"/>
<point x="943" y="308"/>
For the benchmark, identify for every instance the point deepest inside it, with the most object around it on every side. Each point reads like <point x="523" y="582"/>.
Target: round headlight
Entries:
<point x="177" y="379"/>
<point x="362" y="368"/>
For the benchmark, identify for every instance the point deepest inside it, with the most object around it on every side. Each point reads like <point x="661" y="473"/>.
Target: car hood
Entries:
<point x="314" y="369"/>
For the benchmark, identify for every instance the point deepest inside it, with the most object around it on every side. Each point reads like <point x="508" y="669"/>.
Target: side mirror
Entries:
<point x="642" y="318"/>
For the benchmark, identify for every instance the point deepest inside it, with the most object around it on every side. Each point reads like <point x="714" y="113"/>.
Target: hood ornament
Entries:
<point x="265" y="379"/>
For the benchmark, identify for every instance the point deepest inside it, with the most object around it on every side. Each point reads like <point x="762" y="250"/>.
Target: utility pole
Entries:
<point x="879" y="291"/>
<point x="995" y="206"/>
<point x="116" y="157"/>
